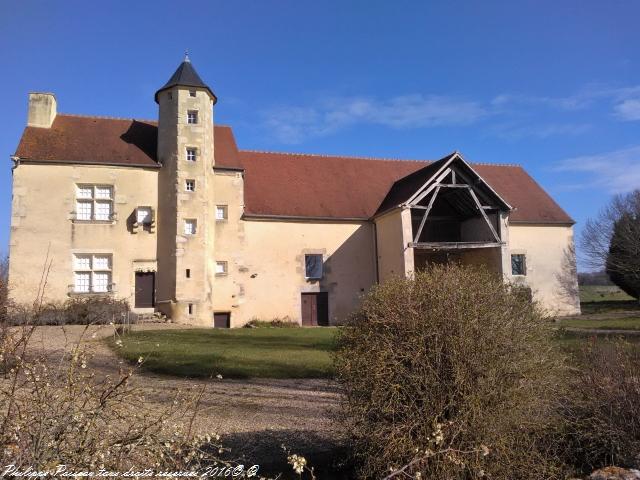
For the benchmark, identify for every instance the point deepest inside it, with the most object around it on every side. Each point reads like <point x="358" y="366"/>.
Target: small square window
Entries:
<point x="102" y="262"/>
<point x="221" y="212"/>
<point x="192" y="154"/>
<point x="518" y="264"/>
<point x="192" y="93"/>
<point x="143" y="215"/>
<point x="103" y="193"/>
<point x="190" y="185"/>
<point x="221" y="268"/>
<point x="82" y="262"/>
<point x="192" y="117"/>
<point x="313" y="266"/>
<point x="189" y="227"/>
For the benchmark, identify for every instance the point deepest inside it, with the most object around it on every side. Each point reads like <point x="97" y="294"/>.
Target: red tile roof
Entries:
<point x="276" y="184"/>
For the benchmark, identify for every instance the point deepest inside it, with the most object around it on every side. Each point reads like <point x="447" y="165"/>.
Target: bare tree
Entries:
<point x="611" y="241"/>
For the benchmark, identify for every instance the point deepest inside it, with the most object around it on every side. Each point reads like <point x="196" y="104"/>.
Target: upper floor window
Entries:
<point x="190" y="185"/>
<point x="192" y="117"/>
<point x="94" y="202"/>
<point x="221" y="268"/>
<point x="221" y="212"/>
<point x="313" y="267"/>
<point x="192" y="93"/>
<point x="192" y="154"/>
<point x="190" y="226"/>
<point x="518" y="264"/>
<point x="92" y="273"/>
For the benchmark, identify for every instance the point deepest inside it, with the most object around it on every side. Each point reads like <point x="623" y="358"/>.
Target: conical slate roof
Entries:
<point x="186" y="76"/>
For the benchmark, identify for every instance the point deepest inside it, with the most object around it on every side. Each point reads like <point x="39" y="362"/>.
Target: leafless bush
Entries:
<point x="93" y="310"/>
<point x="284" y="322"/>
<point x="453" y="375"/>
<point x="602" y="414"/>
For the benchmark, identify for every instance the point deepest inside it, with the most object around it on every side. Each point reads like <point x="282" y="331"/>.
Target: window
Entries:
<point x="192" y="93"/>
<point x="192" y="154"/>
<point x="144" y="216"/>
<point x="190" y="227"/>
<point x="94" y="203"/>
<point x="221" y="268"/>
<point x="221" y="212"/>
<point x="92" y="273"/>
<point x="190" y="185"/>
<point x="518" y="264"/>
<point x="188" y="273"/>
<point x="192" y="117"/>
<point x="313" y="266"/>
<point x="191" y="309"/>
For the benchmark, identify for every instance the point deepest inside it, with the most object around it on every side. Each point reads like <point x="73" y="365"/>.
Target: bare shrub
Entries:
<point x="92" y="310"/>
<point x="451" y="374"/>
<point x="602" y="413"/>
<point x="284" y="322"/>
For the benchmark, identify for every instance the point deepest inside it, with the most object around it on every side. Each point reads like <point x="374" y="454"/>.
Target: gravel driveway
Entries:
<point x="252" y="416"/>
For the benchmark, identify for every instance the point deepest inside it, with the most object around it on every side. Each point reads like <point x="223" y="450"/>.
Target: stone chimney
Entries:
<point x="42" y="110"/>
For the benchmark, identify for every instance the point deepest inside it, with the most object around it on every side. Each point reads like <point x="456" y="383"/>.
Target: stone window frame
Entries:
<point x="191" y="154"/>
<point x="224" y="268"/>
<point x="313" y="254"/>
<point x="192" y="117"/>
<point x="190" y="226"/>
<point x="94" y="201"/>
<point x="93" y="273"/>
<point x="225" y="212"/>
<point x="519" y="253"/>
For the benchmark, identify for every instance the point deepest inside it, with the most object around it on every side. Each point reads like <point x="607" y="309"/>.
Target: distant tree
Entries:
<point x="623" y="261"/>
<point x="612" y="241"/>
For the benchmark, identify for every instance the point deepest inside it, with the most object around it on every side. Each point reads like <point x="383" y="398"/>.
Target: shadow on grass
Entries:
<point x="328" y="456"/>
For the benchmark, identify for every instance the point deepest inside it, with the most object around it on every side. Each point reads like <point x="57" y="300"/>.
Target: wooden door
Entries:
<point x="145" y="296"/>
<point x="222" y="320"/>
<point x="315" y="309"/>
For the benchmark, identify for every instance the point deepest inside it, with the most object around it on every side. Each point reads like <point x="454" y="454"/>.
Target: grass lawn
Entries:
<point x="233" y="353"/>
<point x="620" y="323"/>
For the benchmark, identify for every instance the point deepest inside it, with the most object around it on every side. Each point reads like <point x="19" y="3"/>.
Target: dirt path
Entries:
<point x="295" y="412"/>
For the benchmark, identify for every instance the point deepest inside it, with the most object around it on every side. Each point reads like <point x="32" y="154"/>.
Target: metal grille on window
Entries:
<point x="313" y="266"/>
<point x="518" y="265"/>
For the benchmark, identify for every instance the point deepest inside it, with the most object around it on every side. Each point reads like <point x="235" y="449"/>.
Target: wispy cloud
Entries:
<point x="509" y="115"/>
<point x="515" y="132"/>
<point x="617" y="171"/>
<point x="628" y="109"/>
<point x="295" y="124"/>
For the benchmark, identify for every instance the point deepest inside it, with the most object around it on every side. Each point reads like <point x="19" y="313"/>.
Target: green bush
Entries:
<point x="451" y="374"/>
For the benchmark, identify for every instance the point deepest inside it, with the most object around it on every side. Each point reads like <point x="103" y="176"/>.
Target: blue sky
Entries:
<point x="554" y="86"/>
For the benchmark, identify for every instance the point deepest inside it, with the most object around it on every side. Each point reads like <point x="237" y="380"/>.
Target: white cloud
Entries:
<point x="511" y="132"/>
<point x="295" y="124"/>
<point x="628" y="109"/>
<point x="617" y="171"/>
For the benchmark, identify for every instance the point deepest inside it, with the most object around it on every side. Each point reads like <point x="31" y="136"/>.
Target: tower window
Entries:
<point x="190" y="227"/>
<point x="221" y="268"/>
<point x="191" y="309"/>
<point x="192" y="154"/>
<point x="190" y="185"/>
<point x="221" y="212"/>
<point x="192" y="93"/>
<point x="192" y="117"/>
<point x="188" y="273"/>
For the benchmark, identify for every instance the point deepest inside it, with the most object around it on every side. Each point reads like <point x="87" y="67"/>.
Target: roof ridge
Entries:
<point x="108" y="117"/>
<point x="385" y="159"/>
<point x="326" y="155"/>
<point x="105" y="117"/>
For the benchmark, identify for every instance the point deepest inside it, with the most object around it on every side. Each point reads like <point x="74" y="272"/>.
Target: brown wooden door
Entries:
<point x="222" y="320"/>
<point x="145" y="290"/>
<point x="315" y="309"/>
